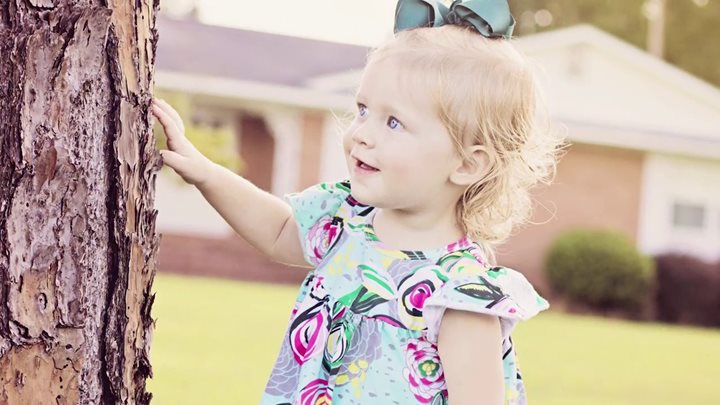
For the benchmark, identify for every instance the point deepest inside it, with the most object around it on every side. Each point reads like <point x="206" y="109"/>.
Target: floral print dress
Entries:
<point x="365" y="323"/>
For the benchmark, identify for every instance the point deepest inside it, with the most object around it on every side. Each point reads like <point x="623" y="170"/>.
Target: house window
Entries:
<point x="691" y="216"/>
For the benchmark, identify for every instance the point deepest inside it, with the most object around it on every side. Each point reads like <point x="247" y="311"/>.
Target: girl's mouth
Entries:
<point x="359" y="164"/>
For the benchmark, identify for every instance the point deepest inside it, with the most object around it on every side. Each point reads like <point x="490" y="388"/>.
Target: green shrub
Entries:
<point x="600" y="268"/>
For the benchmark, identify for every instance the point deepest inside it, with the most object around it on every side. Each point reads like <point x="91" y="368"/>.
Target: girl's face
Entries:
<point x="399" y="153"/>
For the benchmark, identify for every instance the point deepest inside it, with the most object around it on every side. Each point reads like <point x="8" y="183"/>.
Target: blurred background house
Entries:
<point x="645" y="154"/>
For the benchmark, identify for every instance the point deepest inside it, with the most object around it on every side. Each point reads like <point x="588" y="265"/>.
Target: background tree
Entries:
<point x="691" y="26"/>
<point x="77" y="224"/>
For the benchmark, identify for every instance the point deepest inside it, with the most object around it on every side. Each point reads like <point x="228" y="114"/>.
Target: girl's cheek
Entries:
<point x="406" y="158"/>
<point x="403" y="166"/>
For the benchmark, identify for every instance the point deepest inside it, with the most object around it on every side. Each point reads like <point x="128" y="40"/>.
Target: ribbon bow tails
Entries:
<point x="491" y="18"/>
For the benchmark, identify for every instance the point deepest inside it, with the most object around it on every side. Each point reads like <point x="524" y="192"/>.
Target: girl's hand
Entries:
<point x="181" y="155"/>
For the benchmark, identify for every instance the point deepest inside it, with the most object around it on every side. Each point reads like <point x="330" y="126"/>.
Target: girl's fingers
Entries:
<point x="170" y="158"/>
<point x="165" y="106"/>
<point x="190" y="170"/>
<point x="172" y="132"/>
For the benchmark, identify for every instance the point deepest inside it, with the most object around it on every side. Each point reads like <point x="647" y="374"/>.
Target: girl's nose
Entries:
<point x="363" y="136"/>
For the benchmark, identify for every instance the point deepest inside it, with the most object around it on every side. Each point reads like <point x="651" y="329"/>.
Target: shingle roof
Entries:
<point x="187" y="46"/>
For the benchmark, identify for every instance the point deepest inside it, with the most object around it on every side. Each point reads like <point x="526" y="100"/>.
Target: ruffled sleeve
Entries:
<point x="315" y="211"/>
<point x="499" y="291"/>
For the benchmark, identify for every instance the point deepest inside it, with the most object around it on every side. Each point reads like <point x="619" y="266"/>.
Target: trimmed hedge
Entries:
<point x="688" y="290"/>
<point x="600" y="268"/>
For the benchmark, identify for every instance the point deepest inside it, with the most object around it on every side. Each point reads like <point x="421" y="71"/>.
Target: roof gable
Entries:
<point x="592" y="77"/>
<point x="190" y="47"/>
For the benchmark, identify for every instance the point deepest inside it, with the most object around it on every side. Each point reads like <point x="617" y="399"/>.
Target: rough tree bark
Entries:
<point x="77" y="178"/>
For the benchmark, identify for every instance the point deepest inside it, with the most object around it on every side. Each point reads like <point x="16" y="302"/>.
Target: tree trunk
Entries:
<point x="77" y="180"/>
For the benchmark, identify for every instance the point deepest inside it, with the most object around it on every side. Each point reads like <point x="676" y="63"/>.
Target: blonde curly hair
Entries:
<point x="486" y="93"/>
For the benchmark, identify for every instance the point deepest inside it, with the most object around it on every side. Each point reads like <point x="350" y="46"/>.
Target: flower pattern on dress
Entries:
<point x="309" y="328"/>
<point x="377" y="283"/>
<point x="413" y="291"/>
<point x="423" y="371"/>
<point x="309" y="332"/>
<point x="321" y="237"/>
<point x="317" y="392"/>
<point x="339" y="337"/>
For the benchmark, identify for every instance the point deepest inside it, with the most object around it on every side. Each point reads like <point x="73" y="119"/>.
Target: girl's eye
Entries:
<point x="362" y="110"/>
<point x="393" y="123"/>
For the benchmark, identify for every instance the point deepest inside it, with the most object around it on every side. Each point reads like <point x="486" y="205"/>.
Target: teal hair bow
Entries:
<point x="491" y="18"/>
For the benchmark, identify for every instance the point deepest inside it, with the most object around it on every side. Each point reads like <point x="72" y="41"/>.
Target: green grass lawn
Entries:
<point x="216" y="340"/>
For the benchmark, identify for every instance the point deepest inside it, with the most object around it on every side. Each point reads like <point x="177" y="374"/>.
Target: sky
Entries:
<point x="362" y="22"/>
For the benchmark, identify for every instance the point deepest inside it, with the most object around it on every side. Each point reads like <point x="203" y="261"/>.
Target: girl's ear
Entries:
<point x="473" y="168"/>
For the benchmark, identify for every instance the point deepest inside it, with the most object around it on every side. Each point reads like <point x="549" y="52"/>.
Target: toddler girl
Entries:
<point x="404" y="303"/>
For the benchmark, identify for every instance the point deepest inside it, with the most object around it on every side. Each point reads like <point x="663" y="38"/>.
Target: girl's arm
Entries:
<point x="470" y="347"/>
<point x="261" y="218"/>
